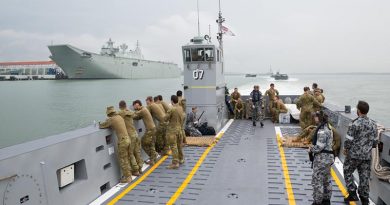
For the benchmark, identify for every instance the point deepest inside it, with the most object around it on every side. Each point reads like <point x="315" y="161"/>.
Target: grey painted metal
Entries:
<point x="36" y="164"/>
<point x="80" y="64"/>
<point x="204" y="83"/>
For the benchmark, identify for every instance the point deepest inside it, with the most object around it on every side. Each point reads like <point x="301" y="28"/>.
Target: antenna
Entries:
<point x="197" y="5"/>
<point x="209" y="30"/>
<point x="220" y="20"/>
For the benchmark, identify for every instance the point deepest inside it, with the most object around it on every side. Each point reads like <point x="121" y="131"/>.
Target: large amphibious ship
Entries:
<point x="111" y="63"/>
<point x="244" y="165"/>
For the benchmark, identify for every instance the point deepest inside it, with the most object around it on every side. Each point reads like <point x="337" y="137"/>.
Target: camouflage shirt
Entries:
<point x="324" y="140"/>
<point x="360" y="138"/>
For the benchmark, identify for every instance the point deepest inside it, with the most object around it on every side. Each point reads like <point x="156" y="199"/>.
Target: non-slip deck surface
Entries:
<point x="244" y="167"/>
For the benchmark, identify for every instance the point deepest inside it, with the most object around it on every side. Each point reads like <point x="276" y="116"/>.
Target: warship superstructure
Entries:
<point x="112" y="62"/>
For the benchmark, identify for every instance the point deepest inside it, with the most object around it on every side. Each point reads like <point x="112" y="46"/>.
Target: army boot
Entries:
<point x="150" y="162"/>
<point x="181" y="161"/>
<point x="261" y="124"/>
<point x="314" y="203"/>
<point x="173" y="166"/>
<point x="351" y="197"/>
<point x="254" y="123"/>
<point x="126" y="179"/>
<point x="136" y="173"/>
<point x="325" y="202"/>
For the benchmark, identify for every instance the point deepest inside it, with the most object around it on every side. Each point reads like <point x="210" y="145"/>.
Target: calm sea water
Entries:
<point x="35" y="109"/>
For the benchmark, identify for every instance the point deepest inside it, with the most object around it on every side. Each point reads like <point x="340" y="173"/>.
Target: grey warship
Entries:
<point x="245" y="164"/>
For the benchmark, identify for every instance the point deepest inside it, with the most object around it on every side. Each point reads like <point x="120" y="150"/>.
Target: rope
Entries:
<point x="381" y="172"/>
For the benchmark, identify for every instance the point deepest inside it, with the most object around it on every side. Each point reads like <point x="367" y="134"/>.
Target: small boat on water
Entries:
<point x="248" y="75"/>
<point x="279" y="76"/>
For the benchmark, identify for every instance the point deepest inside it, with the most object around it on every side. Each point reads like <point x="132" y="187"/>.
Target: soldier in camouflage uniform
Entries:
<point x="278" y="107"/>
<point x="192" y="123"/>
<point x="323" y="159"/>
<point x="175" y="118"/>
<point x="117" y="123"/>
<point x="135" y="158"/>
<point x="239" y="109"/>
<point x="234" y="97"/>
<point x="158" y="114"/>
<point x="271" y="93"/>
<point x="258" y="105"/>
<point x="360" y="139"/>
<point x="148" y="139"/>
<point x="306" y="137"/>
<point x="306" y="104"/>
<point x="182" y="104"/>
<point x="158" y="102"/>
<point x="165" y="105"/>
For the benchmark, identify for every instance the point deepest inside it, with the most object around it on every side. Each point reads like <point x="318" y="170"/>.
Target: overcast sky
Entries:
<point x="291" y="35"/>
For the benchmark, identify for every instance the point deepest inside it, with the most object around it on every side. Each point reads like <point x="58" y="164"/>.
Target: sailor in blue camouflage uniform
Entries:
<point x="323" y="159"/>
<point x="257" y="100"/>
<point x="360" y="139"/>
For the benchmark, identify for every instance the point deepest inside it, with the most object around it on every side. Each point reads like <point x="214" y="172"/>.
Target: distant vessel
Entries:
<point x="250" y="75"/>
<point x="279" y="76"/>
<point x="111" y="63"/>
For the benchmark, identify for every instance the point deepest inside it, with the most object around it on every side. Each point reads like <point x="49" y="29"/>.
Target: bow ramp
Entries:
<point x="247" y="165"/>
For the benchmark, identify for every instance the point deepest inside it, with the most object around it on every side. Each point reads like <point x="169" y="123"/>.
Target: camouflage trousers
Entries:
<point x="307" y="134"/>
<point x="123" y="155"/>
<point x="257" y="113"/>
<point x="237" y="114"/>
<point x="321" y="179"/>
<point x="132" y="152"/>
<point x="137" y="153"/>
<point x="160" y="137"/>
<point x="364" y="169"/>
<point x="275" y="114"/>
<point x="305" y="118"/>
<point x="175" y="139"/>
<point x="193" y="131"/>
<point x="148" y="144"/>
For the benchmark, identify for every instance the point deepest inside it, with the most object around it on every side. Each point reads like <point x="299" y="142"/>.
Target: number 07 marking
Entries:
<point x="198" y="74"/>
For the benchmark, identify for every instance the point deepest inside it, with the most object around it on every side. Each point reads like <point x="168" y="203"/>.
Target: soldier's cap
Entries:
<point x="110" y="110"/>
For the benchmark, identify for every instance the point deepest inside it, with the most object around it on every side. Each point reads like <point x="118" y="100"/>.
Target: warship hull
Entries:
<point x="80" y="64"/>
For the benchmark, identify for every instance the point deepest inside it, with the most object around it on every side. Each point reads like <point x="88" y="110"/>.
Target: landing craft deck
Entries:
<point x="246" y="166"/>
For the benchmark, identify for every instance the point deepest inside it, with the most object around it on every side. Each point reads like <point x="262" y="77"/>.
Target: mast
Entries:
<point x="197" y="5"/>
<point x="220" y="20"/>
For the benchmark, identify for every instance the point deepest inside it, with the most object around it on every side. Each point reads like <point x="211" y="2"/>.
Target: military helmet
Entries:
<point x="110" y="110"/>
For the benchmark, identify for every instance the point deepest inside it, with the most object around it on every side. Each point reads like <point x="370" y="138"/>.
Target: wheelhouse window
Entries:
<point x="187" y="55"/>
<point x="209" y="54"/>
<point x="197" y="54"/>
<point x="135" y="63"/>
<point x="218" y="55"/>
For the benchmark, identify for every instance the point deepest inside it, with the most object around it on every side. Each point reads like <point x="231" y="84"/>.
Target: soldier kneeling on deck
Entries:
<point x="323" y="158"/>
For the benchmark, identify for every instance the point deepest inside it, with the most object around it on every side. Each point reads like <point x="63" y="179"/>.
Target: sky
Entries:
<point x="299" y="36"/>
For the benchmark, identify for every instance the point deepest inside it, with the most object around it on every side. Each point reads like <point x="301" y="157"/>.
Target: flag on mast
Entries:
<point x="227" y="31"/>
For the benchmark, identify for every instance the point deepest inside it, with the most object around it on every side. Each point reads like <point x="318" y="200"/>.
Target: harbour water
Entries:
<point x="34" y="109"/>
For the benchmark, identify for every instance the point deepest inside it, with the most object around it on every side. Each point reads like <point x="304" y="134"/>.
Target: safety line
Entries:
<point x="188" y="179"/>
<point x="134" y="184"/>
<point x="287" y="182"/>
<point x="340" y="185"/>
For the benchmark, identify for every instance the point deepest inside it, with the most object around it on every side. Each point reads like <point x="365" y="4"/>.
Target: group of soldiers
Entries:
<point x="360" y="139"/>
<point x="308" y="103"/>
<point x="163" y="132"/>
<point x="254" y="107"/>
